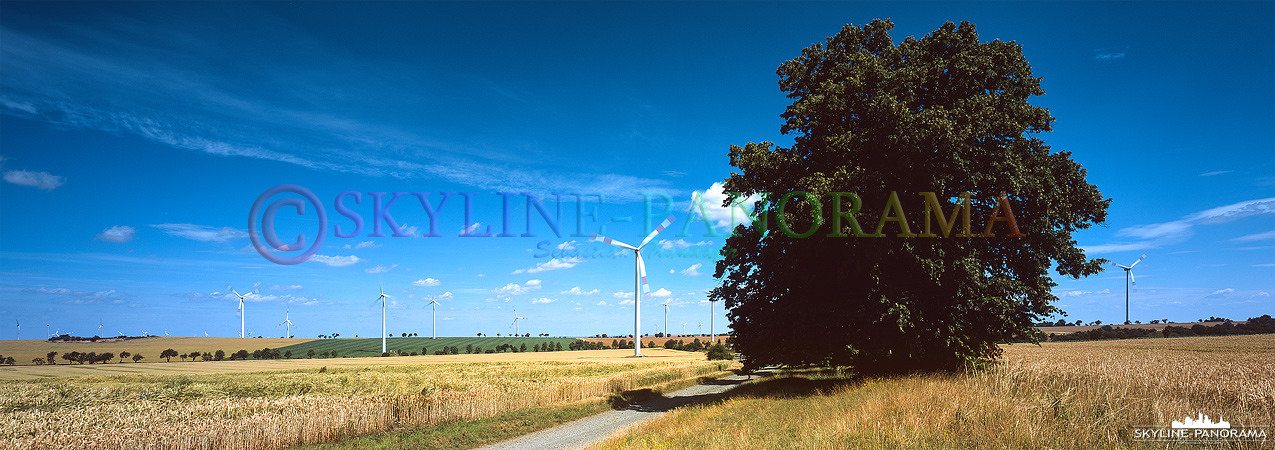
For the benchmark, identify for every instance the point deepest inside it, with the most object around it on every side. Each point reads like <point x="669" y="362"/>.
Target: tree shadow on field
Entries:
<point x="765" y="383"/>
<point x="799" y="384"/>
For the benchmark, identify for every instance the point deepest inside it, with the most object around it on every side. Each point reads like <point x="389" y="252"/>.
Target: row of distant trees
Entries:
<point x="1255" y="325"/>
<point x="168" y="355"/>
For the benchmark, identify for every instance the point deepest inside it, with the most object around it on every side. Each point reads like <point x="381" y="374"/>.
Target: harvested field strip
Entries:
<point x="274" y="410"/>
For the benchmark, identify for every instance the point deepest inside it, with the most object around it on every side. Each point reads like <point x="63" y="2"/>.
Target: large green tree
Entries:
<point x="946" y="114"/>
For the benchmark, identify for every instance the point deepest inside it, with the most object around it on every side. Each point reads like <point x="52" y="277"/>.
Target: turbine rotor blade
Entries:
<point x="1132" y="280"/>
<point x="667" y="221"/>
<point x="1144" y="256"/>
<point x="646" y="287"/>
<point x="598" y="238"/>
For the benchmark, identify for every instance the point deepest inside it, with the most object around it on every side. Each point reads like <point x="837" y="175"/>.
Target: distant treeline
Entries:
<point x="1255" y="325"/>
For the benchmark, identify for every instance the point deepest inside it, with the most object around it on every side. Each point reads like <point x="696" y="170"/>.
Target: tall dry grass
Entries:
<point x="1084" y="395"/>
<point x="275" y="410"/>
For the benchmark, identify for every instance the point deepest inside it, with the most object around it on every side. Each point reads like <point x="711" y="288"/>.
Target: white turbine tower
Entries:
<point x="287" y="320"/>
<point x="382" y="299"/>
<point x="665" y="305"/>
<point x="517" y="332"/>
<point x="19" y="332"/>
<point x="433" y="304"/>
<point x="712" y="336"/>
<point x="1129" y="280"/>
<point x="242" y="329"/>
<point x="639" y="278"/>
<point x="683" y="328"/>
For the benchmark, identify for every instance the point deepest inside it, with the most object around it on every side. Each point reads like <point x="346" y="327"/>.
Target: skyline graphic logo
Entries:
<point x="1199" y="430"/>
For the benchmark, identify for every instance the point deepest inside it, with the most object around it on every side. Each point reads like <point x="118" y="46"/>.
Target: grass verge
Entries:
<point x="1062" y="396"/>
<point x="468" y="434"/>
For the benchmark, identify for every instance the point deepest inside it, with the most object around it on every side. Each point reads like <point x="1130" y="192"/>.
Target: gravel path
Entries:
<point x="601" y="426"/>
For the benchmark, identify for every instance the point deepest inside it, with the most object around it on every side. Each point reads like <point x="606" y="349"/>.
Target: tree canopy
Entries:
<point x="877" y="126"/>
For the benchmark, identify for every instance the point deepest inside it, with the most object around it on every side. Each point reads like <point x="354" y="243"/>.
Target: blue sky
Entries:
<point x="136" y="137"/>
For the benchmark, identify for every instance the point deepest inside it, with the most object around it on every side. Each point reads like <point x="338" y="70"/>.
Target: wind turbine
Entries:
<point x="19" y="333"/>
<point x="433" y="304"/>
<point x="382" y="299"/>
<point x="165" y="332"/>
<point x="517" y="332"/>
<point x="99" y="326"/>
<point x="700" y="325"/>
<point x="286" y="321"/>
<point x="205" y="332"/>
<point x="683" y="328"/>
<point x="242" y="333"/>
<point x="665" y="305"/>
<point x="1129" y="280"/>
<point x="639" y="278"/>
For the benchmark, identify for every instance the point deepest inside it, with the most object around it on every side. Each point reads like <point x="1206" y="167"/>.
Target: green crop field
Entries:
<point x="372" y="346"/>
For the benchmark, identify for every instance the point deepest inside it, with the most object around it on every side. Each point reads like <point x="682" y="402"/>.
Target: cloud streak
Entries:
<point x="130" y="90"/>
<point x="1167" y="233"/>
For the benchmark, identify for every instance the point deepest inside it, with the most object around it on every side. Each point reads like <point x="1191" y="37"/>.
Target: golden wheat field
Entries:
<point x="1068" y="395"/>
<point x="178" y="367"/>
<point x="268" y="410"/>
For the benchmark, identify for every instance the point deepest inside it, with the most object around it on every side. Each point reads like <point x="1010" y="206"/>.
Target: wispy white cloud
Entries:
<point x="552" y="264"/>
<point x="661" y="292"/>
<point x="1220" y="293"/>
<point x="543" y="300"/>
<point x="361" y="245"/>
<point x="337" y="261"/>
<point x="577" y="291"/>
<point x="260" y="123"/>
<point x="38" y="180"/>
<point x="1167" y="233"/>
<point x="426" y="282"/>
<point x="380" y="268"/>
<point x="79" y="297"/>
<point x="1214" y="173"/>
<point x="681" y="243"/>
<point x="118" y="233"/>
<point x="518" y="289"/>
<point x="1081" y="293"/>
<point x="622" y="294"/>
<point x="1110" y="53"/>
<point x="709" y="204"/>
<point x="1256" y="237"/>
<point x="201" y="233"/>
<point x="692" y="271"/>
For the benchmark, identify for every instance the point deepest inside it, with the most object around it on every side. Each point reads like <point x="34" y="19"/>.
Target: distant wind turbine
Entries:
<point x="433" y="304"/>
<point x="205" y="332"/>
<point x="242" y="329"/>
<point x="639" y="278"/>
<point x="683" y="328"/>
<point x="99" y="326"/>
<point x="19" y="332"/>
<point x="287" y="320"/>
<point x="1129" y="280"/>
<point x="517" y="332"/>
<point x="382" y="299"/>
<point x="165" y="332"/>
